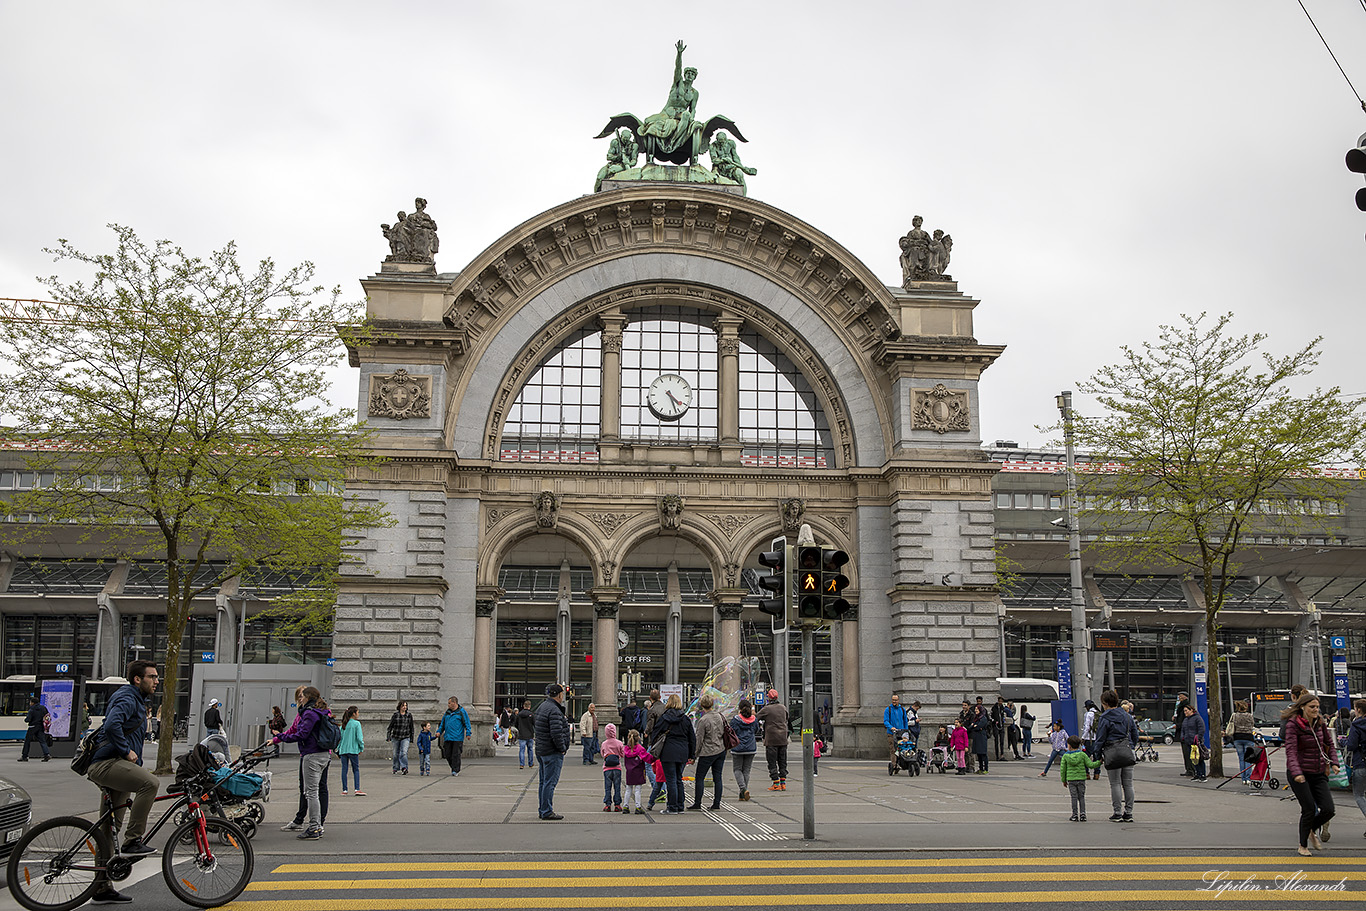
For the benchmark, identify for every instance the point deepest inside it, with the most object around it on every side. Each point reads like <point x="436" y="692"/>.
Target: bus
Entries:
<point x="1267" y="706"/>
<point x="16" y="689"/>
<point x="1037" y="693"/>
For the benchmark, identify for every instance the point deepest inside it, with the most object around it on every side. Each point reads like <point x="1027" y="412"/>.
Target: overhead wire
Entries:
<point x="1330" y="51"/>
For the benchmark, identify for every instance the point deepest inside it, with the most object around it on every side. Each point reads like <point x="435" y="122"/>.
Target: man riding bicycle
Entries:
<point x="117" y="765"/>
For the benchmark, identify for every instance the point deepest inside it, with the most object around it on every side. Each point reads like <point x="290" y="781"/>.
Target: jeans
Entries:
<point x="1122" y="780"/>
<point x="127" y="779"/>
<point x="302" y="814"/>
<point x="777" y="762"/>
<point x="1359" y="787"/>
<point x="741" y="764"/>
<point x="526" y="752"/>
<point x="673" y="785"/>
<point x="590" y="749"/>
<point x="351" y="761"/>
<point x="611" y="787"/>
<point x="401" y="755"/>
<point x="1316" y="803"/>
<point x="982" y="761"/>
<point x="1078" y="791"/>
<point x="1027" y="741"/>
<point x="40" y="737"/>
<point x="1055" y="755"/>
<point x="551" y="764"/>
<point x="424" y="762"/>
<point x="713" y="764"/>
<point x="314" y="766"/>
<point x="1244" y="767"/>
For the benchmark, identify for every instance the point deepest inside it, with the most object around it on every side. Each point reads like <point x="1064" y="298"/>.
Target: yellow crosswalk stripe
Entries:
<point x="779" y="879"/>
<point x="956" y="862"/>
<point x="796" y="899"/>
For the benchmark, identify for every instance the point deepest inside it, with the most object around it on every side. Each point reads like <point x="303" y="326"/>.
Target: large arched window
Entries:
<point x="557" y="414"/>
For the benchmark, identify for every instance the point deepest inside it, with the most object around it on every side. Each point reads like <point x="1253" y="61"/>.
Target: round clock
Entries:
<point x="669" y="397"/>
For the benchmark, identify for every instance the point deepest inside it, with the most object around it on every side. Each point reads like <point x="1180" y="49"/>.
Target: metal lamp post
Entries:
<point x="1081" y="664"/>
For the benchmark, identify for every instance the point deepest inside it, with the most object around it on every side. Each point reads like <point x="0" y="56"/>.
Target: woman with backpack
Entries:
<point x="317" y="735"/>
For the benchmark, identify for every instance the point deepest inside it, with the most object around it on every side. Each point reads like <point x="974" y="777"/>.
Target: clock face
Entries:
<point x="669" y="397"/>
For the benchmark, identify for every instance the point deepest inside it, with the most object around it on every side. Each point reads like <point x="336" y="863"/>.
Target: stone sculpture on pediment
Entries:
<point x="671" y="512"/>
<point x="400" y="395"/>
<point x="547" y="504"/>
<point x="924" y="257"/>
<point x="412" y="238"/>
<point x="941" y="409"/>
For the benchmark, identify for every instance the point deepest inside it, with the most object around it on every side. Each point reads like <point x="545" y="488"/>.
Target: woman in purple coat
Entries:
<point x="1310" y="757"/>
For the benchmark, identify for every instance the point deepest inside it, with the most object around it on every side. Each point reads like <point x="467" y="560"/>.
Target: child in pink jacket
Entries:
<point x="959" y="741"/>
<point x="635" y="758"/>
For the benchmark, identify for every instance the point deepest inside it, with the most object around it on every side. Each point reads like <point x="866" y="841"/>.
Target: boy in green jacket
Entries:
<point x="1075" y="766"/>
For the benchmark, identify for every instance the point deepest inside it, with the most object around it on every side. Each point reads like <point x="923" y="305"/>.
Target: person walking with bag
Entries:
<point x="37" y="721"/>
<point x="774" y="717"/>
<point x="454" y="728"/>
<point x="1242" y="727"/>
<point x="711" y="753"/>
<point x="400" y="734"/>
<point x="1355" y="754"/>
<point x="1116" y="737"/>
<point x="1193" y="741"/>
<point x="745" y="724"/>
<point x="1310" y="757"/>
<point x="675" y="745"/>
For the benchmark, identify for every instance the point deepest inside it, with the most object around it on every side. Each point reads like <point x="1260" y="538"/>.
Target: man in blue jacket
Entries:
<point x="117" y="764"/>
<point x="894" y="720"/>
<point x="455" y="727"/>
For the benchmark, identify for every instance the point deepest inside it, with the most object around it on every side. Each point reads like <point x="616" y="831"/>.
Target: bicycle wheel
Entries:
<point x="212" y="878"/>
<point x="51" y="867"/>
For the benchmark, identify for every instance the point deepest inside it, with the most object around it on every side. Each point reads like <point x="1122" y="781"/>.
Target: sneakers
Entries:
<point x="1323" y="833"/>
<point x="1127" y="817"/>
<point x="310" y="834"/>
<point x="1081" y="818"/>
<point x="1072" y="818"/>
<point x="360" y="793"/>
<point x="109" y="896"/>
<point x="343" y="792"/>
<point x="775" y="787"/>
<point x="639" y="811"/>
<point x="137" y="848"/>
<point x="1116" y="817"/>
<point x="782" y="784"/>
<point x="618" y="809"/>
<point x="291" y="827"/>
<point x="744" y="795"/>
<point x="606" y="808"/>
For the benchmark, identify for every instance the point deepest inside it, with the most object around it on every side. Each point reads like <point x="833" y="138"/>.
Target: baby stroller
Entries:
<point x="1261" y="767"/>
<point x="907" y="757"/>
<point x="941" y="759"/>
<point x="238" y="794"/>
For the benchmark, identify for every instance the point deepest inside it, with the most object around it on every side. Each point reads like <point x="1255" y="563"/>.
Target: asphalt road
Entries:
<point x="977" y="841"/>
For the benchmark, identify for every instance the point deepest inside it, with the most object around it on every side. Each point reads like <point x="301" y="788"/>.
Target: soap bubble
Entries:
<point x="727" y="682"/>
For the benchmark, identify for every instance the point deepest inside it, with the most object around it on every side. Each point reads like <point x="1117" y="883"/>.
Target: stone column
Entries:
<point x="610" y="423"/>
<point x="485" y="607"/>
<point x="562" y="628"/>
<point x="673" y="626"/>
<point x="606" y="604"/>
<point x="851" y="699"/>
<point x="728" y="604"/>
<point x="728" y="378"/>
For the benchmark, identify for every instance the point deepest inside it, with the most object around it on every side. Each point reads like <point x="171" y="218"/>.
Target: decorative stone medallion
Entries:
<point x="400" y="395"/>
<point x="940" y="409"/>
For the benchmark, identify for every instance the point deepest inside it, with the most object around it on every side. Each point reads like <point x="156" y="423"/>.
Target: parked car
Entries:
<point x="1159" y="731"/>
<point x="16" y="812"/>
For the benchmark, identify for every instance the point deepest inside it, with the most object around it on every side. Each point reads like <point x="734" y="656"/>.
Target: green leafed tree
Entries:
<point x="177" y="408"/>
<point x="1211" y="438"/>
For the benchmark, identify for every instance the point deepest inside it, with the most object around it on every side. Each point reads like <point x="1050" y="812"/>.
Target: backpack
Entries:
<point x="326" y="733"/>
<point x="85" y="751"/>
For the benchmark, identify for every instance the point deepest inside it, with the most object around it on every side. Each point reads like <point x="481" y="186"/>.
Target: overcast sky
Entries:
<point x="1103" y="167"/>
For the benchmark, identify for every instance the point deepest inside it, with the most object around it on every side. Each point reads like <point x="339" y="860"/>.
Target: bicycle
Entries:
<point x="207" y="860"/>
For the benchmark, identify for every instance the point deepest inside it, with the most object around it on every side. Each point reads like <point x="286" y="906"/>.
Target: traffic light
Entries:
<point x="808" y="585"/>
<point x="833" y="581"/>
<point x="1356" y="163"/>
<point x="779" y="581"/>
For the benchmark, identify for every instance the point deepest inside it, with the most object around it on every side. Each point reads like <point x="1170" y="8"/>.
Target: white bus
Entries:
<point x="16" y="689"/>
<point x="1036" y="693"/>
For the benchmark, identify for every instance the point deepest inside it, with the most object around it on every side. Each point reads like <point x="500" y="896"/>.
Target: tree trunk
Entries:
<point x="1213" y="699"/>
<point x="177" y="612"/>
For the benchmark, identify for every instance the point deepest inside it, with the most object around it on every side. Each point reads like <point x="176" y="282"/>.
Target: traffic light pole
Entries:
<point x="808" y="733"/>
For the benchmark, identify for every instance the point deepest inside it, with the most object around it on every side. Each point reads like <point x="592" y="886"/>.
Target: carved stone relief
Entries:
<point x="793" y="509"/>
<point x="670" y="512"/>
<point x="400" y="395"/>
<point x="732" y="573"/>
<point x="609" y="522"/>
<point x="547" y="504"/>
<point x="730" y="523"/>
<point x="940" y="409"/>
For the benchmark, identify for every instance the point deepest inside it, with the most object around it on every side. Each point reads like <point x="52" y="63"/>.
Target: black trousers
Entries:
<point x="1316" y="803"/>
<point x="452" y="749"/>
<point x="999" y="736"/>
<point x="777" y="762"/>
